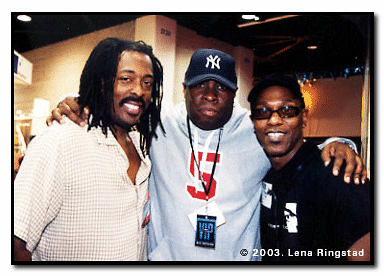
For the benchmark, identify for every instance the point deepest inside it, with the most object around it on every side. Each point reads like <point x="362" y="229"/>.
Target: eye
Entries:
<point x="148" y="84"/>
<point x="289" y="111"/>
<point x="261" y="112"/>
<point x="200" y="85"/>
<point x="286" y="108"/>
<point x="221" y="87"/>
<point x="125" y="79"/>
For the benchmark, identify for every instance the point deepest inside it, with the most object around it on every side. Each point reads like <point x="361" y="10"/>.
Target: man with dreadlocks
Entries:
<point x="81" y="193"/>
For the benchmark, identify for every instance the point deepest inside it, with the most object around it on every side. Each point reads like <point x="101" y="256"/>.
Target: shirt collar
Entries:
<point x="101" y="138"/>
<point x="110" y="139"/>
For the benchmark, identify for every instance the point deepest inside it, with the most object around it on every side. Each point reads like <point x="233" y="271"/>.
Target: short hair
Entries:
<point x="97" y="87"/>
<point x="275" y="79"/>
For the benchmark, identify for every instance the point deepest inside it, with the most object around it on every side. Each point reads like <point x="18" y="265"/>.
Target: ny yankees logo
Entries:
<point x="215" y="62"/>
<point x="198" y="191"/>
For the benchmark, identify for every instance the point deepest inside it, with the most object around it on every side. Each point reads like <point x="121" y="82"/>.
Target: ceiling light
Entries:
<point x="24" y="18"/>
<point x="250" y="17"/>
<point x="312" y="47"/>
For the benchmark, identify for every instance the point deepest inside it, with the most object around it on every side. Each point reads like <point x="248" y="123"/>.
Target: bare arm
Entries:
<point x="362" y="243"/>
<point x="20" y="251"/>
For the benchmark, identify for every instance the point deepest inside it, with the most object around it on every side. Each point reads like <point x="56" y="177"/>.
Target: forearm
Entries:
<point x="20" y="252"/>
<point x="349" y="142"/>
<point x="362" y="243"/>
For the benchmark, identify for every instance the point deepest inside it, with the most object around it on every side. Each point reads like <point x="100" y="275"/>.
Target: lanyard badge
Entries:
<point x="205" y="231"/>
<point x="205" y="235"/>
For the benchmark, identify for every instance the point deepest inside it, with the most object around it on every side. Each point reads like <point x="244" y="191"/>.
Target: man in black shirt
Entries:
<point x="307" y="213"/>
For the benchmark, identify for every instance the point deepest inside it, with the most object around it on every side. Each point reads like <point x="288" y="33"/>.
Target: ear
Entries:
<point x="184" y="89"/>
<point x="102" y="86"/>
<point x="305" y="117"/>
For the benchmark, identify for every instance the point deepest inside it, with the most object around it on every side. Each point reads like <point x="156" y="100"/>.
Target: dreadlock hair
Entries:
<point x="97" y="87"/>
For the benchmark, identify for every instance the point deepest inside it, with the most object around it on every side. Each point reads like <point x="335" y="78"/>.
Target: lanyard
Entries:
<point x="206" y="190"/>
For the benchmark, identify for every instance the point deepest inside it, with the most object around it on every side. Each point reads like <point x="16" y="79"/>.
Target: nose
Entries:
<point x="210" y="93"/>
<point x="137" y="88"/>
<point x="275" y="119"/>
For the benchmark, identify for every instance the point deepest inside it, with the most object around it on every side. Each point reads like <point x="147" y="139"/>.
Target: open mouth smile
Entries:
<point x="275" y="136"/>
<point x="133" y="107"/>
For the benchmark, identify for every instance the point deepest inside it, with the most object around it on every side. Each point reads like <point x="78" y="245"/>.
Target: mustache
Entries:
<point x="139" y="100"/>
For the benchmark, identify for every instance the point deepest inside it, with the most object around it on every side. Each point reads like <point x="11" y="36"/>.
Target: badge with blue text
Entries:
<point x="205" y="231"/>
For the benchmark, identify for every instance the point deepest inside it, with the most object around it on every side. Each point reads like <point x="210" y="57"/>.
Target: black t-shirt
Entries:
<point x="309" y="214"/>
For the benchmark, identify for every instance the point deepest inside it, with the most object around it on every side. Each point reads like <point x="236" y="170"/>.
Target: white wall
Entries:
<point x="160" y="32"/>
<point x="335" y="107"/>
<point x="57" y="67"/>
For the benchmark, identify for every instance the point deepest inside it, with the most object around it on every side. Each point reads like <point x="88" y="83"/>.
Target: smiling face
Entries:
<point x="209" y="104"/>
<point x="280" y="137"/>
<point x="132" y="89"/>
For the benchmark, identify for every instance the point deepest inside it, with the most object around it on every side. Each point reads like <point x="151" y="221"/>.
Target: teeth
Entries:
<point x="275" y="134"/>
<point x="132" y="106"/>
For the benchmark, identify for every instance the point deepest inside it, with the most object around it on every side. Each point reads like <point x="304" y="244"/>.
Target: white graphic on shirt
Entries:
<point x="205" y="160"/>
<point x="291" y="217"/>
<point x="266" y="195"/>
<point x="215" y="62"/>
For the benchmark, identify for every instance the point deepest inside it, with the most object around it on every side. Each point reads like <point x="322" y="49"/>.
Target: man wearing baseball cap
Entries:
<point x="205" y="181"/>
<point x="207" y="168"/>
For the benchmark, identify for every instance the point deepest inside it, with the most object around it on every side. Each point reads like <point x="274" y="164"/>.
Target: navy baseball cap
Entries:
<point x="211" y="64"/>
